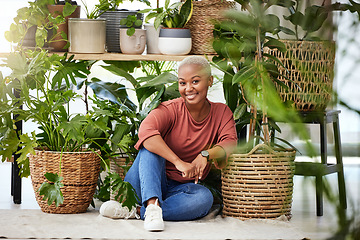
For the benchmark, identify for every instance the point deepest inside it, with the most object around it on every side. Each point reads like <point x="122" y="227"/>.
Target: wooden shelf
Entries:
<point x="120" y="56"/>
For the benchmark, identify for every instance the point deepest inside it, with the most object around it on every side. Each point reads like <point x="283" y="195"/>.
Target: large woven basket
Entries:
<point x="201" y="25"/>
<point x="309" y="67"/>
<point x="80" y="171"/>
<point x="258" y="184"/>
<point x="117" y="165"/>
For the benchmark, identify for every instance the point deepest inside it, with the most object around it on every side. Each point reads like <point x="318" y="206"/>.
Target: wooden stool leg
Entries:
<point x="319" y="180"/>
<point x="339" y="162"/>
<point x="319" y="196"/>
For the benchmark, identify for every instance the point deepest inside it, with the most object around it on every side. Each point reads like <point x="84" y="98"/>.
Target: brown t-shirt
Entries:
<point x="185" y="136"/>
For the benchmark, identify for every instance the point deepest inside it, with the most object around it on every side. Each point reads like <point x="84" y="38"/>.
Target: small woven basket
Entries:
<point x="258" y="184"/>
<point x="117" y="165"/>
<point x="80" y="171"/>
<point x="201" y="25"/>
<point x="309" y="67"/>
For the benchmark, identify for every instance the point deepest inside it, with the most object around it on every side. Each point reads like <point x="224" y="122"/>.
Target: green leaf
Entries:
<point x="130" y="31"/>
<point x="239" y="111"/>
<point x="113" y="92"/>
<point x="186" y="11"/>
<point x="125" y="193"/>
<point x="69" y="9"/>
<point x="52" y="191"/>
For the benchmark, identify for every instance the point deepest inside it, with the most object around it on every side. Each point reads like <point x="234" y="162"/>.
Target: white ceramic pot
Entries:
<point x="174" y="41"/>
<point x="134" y="44"/>
<point x="87" y="35"/>
<point x="152" y="39"/>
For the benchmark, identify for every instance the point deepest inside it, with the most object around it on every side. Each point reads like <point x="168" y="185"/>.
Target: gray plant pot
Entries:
<point x="113" y="25"/>
<point x="175" y="41"/>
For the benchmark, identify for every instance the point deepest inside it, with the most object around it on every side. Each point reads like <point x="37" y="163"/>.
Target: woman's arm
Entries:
<point x="157" y="145"/>
<point x="216" y="153"/>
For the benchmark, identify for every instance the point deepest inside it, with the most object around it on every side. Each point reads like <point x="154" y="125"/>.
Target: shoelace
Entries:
<point x="123" y="212"/>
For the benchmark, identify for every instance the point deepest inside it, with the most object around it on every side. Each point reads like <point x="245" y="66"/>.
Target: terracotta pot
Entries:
<point x="58" y="43"/>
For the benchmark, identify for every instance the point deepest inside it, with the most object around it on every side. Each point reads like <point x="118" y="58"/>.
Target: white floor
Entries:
<point x="303" y="210"/>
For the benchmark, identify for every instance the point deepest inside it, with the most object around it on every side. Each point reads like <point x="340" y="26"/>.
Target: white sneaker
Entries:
<point x="153" y="218"/>
<point x="114" y="209"/>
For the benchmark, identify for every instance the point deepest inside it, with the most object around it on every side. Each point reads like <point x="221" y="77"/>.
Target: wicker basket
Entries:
<point x="201" y="26"/>
<point x="80" y="171"/>
<point x="117" y="165"/>
<point x="310" y="72"/>
<point x="258" y="184"/>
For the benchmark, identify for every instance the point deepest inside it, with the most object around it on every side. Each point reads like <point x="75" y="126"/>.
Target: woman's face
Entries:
<point x="193" y="83"/>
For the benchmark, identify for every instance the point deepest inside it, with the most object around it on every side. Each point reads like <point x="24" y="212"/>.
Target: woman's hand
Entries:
<point x="188" y="169"/>
<point x="199" y="163"/>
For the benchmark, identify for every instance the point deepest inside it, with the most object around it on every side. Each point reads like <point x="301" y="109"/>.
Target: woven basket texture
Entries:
<point x="201" y="25"/>
<point x="117" y="165"/>
<point x="80" y="171"/>
<point x="310" y="72"/>
<point x="258" y="184"/>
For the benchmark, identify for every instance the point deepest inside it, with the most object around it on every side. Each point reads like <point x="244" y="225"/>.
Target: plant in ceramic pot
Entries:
<point x="110" y="11"/>
<point x="132" y="41"/>
<point x="174" y="39"/>
<point x="87" y="35"/>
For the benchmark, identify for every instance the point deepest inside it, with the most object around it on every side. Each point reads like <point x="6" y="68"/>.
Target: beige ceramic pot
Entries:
<point x="134" y="44"/>
<point x="87" y="35"/>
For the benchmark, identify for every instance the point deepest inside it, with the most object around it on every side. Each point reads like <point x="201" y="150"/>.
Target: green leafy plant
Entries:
<point x="313" y="18"/>
<point x="250" y="73"/>
<point x="131" y="21"/>
<point x="175" y="15"/>
<point x="105" y="5"/>
<point x="37" y="16"/>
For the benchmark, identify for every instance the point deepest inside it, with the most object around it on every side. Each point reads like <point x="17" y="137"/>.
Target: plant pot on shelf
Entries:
<point x="259" y="184"/>
<point x="113" y="25"/>
<point x="80" y="171"/>
<point x="201" y="23"/>
<point x="134" y="44"/>
<point x="174" y="41"/>
<point x="309" y="73"/>
<point x="58" y="42"/>
<point x="87" y="35"/>
<point x="152" y="39"/>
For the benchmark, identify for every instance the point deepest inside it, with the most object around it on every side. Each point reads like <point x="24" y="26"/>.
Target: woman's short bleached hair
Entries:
<point x="197" y="60"/>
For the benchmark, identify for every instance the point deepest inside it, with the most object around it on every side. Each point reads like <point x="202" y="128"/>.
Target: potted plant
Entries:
<point x="174" y="38"/>
<point x="67" y="9"/>
<point x="66" y="150"/>
<point x="33" y="24"/>
<point x="109" y="10"/>
<point x="259" y="173"/>
<point x="308" y="69"/>
<point x="87" y="35"/>
<point x="132" y="41"/>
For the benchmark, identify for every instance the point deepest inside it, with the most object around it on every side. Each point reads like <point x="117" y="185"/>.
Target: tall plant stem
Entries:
<point x="263" y="73"/>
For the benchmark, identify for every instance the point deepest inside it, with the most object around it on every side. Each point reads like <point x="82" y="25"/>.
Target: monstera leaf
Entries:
<point x="52" y="190"/>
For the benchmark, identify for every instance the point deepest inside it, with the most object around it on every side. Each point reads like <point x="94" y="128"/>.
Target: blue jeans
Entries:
<point x="179" y="201"/>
